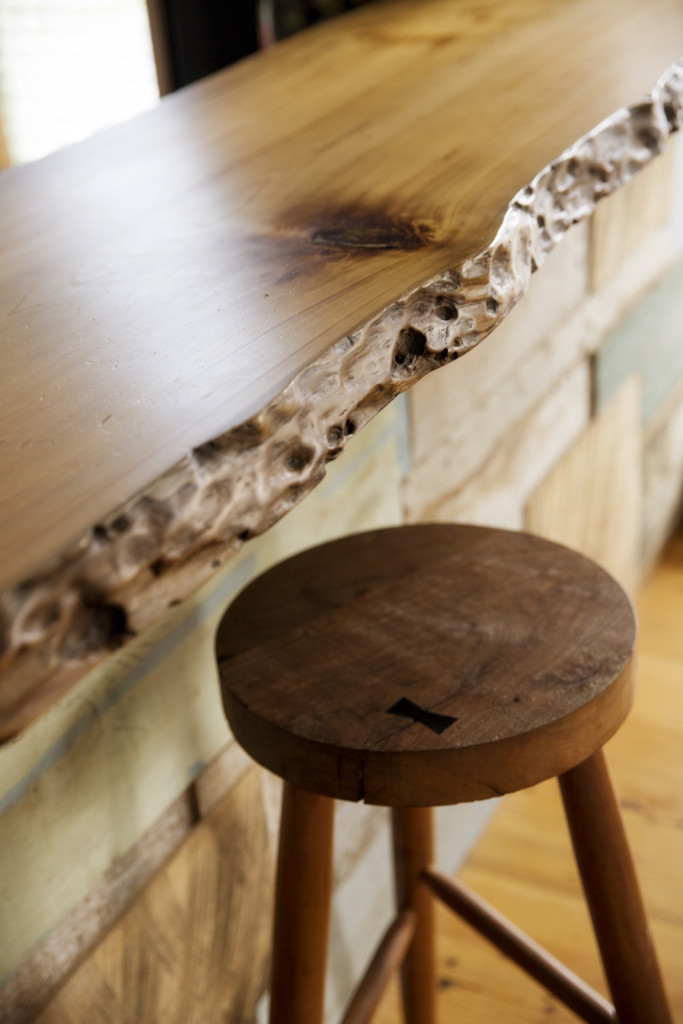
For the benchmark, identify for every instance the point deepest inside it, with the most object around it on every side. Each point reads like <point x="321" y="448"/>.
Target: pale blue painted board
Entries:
<point x="650" y="341"/>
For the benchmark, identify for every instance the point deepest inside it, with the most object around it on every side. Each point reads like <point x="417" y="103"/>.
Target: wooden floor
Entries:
<point x="524" y="866"/>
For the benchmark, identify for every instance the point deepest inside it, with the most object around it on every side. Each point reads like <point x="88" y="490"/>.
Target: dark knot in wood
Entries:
<point x="373" y="233"/>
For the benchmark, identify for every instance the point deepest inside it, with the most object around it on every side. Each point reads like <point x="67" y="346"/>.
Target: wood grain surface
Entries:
<point x="194" y="947"/>
<point x="413" y="843"/>
<point x="162" y="282"/>
<point x="425" y="665"/>
<point x="303" y="901"/>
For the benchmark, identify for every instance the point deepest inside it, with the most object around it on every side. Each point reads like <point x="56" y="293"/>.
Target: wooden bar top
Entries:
<point x="198" y="307"/>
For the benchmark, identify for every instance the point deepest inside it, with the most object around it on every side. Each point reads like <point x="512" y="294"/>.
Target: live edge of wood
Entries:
<point x="214" y="297"/>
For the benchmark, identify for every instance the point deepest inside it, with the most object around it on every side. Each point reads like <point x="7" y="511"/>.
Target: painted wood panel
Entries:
<point x="648" y="341"/>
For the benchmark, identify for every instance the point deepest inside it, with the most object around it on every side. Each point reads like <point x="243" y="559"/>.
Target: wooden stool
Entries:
<point x="428" y="665"/>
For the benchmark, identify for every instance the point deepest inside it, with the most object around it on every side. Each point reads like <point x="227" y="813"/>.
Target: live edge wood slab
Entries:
<point x="199" y="307"/>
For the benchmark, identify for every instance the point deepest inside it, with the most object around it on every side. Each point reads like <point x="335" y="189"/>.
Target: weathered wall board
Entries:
<point x="649" y="342"/>
<point x="620" y="224"/>
<point x="662" y="477"/>
<point x="592" y="499"/>
<point x="525" y="452"/>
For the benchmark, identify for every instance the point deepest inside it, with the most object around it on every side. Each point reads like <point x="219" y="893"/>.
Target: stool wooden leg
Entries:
<point x="413" y="853"/>
<point x="302" y="908"/>
<point x="612" y="892"/>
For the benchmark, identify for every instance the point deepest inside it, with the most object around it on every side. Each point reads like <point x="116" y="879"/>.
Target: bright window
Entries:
<point x="69" y="68"/>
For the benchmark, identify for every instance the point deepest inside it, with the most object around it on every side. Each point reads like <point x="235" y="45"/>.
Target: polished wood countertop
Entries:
<point x="199" y="306"/>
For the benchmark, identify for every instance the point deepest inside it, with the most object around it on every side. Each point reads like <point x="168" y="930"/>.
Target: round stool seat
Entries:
<point x="427" y="664"/>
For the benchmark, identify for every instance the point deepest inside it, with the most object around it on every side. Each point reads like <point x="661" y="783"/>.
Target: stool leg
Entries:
<point x="612" y="892"/>
<point x="414" y="852"/>
<point x="302" y="908"/>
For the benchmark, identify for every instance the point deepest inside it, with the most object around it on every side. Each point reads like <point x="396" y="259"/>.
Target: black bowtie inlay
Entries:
<point x="406" y="708"/>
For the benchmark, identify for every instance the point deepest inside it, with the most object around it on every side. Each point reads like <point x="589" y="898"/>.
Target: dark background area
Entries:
<point x="193" y="38"/>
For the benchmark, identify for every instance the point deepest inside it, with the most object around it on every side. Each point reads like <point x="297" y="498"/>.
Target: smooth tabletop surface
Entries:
<point x="163" y="280"/>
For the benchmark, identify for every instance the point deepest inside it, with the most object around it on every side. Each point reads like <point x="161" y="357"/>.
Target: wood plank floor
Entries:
<point x="523" y="863"/>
